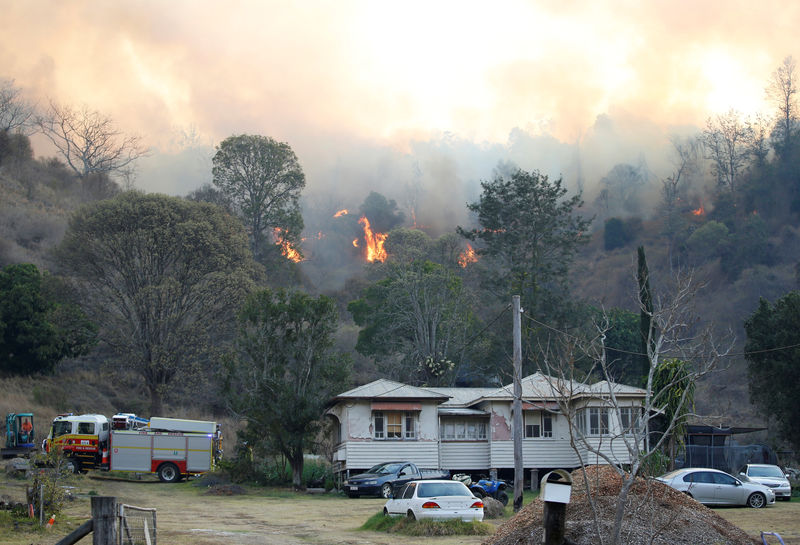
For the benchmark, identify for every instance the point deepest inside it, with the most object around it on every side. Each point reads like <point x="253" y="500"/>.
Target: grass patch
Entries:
<point x="426" y="528"/>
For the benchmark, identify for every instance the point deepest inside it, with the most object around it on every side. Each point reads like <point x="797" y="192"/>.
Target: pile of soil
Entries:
<point x="654" y="513"/>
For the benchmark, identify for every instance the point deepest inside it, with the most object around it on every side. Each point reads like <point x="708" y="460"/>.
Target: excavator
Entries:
<point x="19" y="435"/>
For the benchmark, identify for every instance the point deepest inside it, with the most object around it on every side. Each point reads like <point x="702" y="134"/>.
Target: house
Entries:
<point x="470" y="429"/>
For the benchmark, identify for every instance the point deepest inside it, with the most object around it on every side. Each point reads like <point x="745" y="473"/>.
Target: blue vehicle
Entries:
<point x="382" y="479"/>
<point x="485" y="487"/>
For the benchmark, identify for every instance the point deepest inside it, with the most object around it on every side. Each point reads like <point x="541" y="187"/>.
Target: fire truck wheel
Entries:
<point x="168" y="473"/>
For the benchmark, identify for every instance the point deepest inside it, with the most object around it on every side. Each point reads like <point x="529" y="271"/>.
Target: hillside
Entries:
<point x="38" y="196"/>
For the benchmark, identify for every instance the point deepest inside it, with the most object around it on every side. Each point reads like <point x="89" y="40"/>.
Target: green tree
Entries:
<point x="773" y="357"/>
<point x="623" y="346"/>
<point x="674" y="384"/>
<point x="263" y="179"/>
<point x="414" y="321"/>
<point x="285" y="371"/>
<point x="529" y="231"/>
<point x="647" y="332"/>
<point x="163" y="276"/>
<point x="382" y="213"/>
<point x="529" y="234"/>
<point x="36" y="329"/>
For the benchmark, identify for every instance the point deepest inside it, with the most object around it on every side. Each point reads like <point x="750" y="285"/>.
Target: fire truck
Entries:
<point x="169" y="447"/>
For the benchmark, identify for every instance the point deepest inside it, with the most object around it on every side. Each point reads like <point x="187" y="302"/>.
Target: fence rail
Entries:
<point x="116" y="524"/>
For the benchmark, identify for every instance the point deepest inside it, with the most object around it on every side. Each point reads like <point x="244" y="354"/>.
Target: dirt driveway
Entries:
<point x="187" y="516"/>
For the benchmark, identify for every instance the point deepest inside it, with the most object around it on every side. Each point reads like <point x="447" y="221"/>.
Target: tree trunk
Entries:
<point x="296" y="461"/>
<point x="155" y="401"/>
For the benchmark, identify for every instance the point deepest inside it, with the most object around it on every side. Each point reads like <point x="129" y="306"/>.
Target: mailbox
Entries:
<point x="556" y="487"/>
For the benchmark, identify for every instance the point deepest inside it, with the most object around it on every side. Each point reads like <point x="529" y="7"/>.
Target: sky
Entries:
<point x="417" y="99"/>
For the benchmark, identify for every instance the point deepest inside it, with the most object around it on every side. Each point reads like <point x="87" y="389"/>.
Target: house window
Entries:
<point x="395" y="425"/>
<point x="630" y="419"/>
<point x="598" y="421"/>
<point x="538" y="424"/>
<point x="472" y="429"/>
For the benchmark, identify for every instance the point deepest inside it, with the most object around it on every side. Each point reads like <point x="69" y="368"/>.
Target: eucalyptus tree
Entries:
<point x="263" y="179"/>
<point x="284" y="371"/>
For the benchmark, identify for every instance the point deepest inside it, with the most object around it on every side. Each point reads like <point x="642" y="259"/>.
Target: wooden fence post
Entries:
<point x="104" y="515"/>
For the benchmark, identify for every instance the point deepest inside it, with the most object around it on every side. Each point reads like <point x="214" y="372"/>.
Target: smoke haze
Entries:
<point x="419" y="101"/>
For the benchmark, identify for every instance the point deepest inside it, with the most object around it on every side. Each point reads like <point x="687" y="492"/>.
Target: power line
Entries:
<point x="632" y="353"/>
<point x="479" y="333"/>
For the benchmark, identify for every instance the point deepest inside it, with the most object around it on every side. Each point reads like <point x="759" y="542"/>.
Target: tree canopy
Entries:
<point x="414" y="321"/>
<point x="285" y="370"/>
<point x="36" y="329"/>
<point x="263" y="179"/>
<point x="162" y="276"/>
<point x="773" y="356"/>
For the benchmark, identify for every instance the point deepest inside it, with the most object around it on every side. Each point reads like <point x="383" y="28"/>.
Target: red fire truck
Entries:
<point x="170" y="447"/>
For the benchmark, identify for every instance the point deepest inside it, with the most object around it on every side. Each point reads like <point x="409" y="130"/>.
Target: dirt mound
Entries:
<point x="654" y="513"/>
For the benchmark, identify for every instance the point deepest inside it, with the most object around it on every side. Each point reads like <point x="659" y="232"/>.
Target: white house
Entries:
<point x="470" y="429"/>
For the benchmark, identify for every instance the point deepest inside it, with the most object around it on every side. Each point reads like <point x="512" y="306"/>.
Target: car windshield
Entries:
<point x="382" y="469"/>
<point x="670" y="475"/>
<point x="766" y="471"/>
<point x="429" y="490"/>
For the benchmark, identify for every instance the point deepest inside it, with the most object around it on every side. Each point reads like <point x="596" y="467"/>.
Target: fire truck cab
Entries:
<point x="81" y="438"/>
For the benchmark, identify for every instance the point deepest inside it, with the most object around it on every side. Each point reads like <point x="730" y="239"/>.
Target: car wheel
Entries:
<point x="689" y="494"/>
<point x="756" y="500"/>
<point x="410" y="515"/>
<point x="168" y="473"/>
<point x="385" y="512"/>
<point x="502" y="497"/>
<point x="386" y="491"/>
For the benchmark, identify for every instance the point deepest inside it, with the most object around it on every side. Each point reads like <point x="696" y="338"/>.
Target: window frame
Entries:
<point x="536" y="425"/>
<point x="464" y="429"/>
<point x="404" y="425"/>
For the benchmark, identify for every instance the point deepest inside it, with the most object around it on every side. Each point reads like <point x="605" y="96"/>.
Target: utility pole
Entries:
<point x="519" y="475"/>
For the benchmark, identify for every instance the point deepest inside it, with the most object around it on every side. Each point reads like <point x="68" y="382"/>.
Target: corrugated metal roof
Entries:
<point x="462" y="396"/>
<point x="541" y="386"/>
<point x="460" y="411"/>
<point x="389" y="389"/>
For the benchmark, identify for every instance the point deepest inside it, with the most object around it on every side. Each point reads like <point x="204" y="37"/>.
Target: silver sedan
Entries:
<point x="715" y="487"/>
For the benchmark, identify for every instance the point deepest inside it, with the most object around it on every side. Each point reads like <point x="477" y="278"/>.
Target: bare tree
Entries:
<point x="626" y="427"/>
<point x="687" y="154"/>
<point x="16" y="113"/>
<point x="782" y="89"/>
<point x="89" y="141"/>
<point x="727" y="139"/>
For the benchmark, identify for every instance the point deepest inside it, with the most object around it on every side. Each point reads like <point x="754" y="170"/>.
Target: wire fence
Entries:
<point x="137" y="525"/>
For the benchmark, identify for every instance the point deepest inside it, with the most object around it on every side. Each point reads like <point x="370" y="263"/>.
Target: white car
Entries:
<point x="769" y="475"/>
<point x="435" y="499"/>
<point x="715" y="487"/>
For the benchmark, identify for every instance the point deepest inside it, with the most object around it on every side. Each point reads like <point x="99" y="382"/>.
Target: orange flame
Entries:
<point x="342" y="212"/>
<point x="698" y="211"/>
<point x="288" y="251"/>
<point x="375" y="251"/>
<point x="466" y="257"/>
<point x="355" y="242"/>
